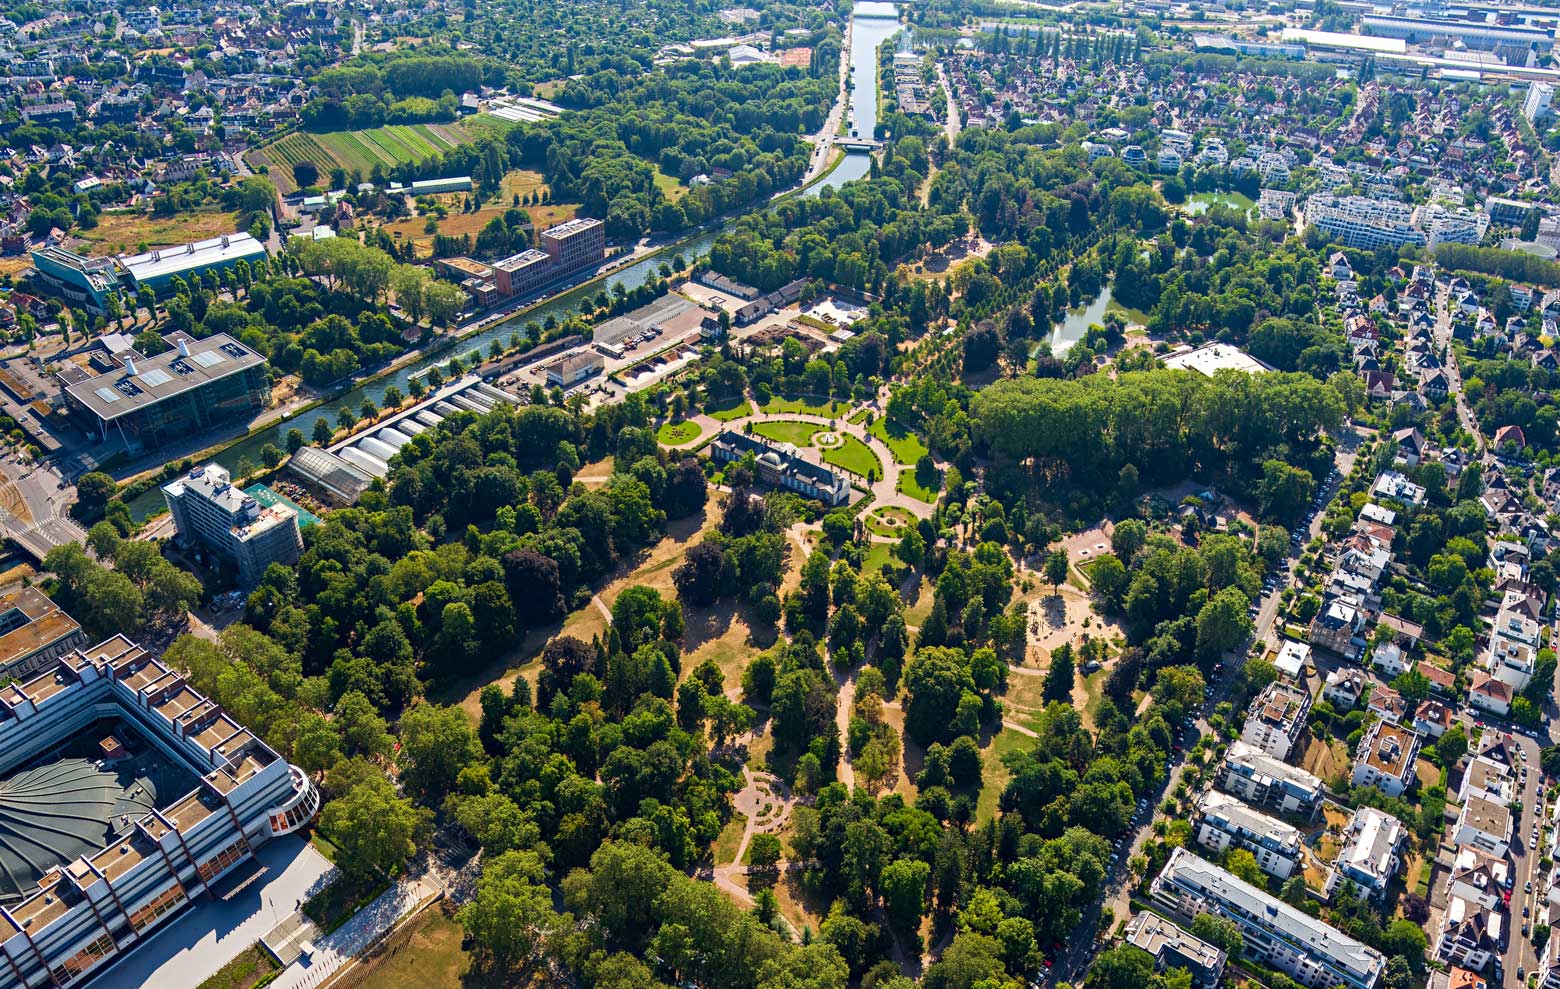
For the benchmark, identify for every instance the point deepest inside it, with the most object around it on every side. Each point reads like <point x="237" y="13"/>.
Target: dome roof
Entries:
<point x="53" y="813"/>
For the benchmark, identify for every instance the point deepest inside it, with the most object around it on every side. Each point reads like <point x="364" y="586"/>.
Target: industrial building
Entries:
<point x="326" y="472"/>
<point x="1478" y="35"/>
<point x="209" y="510"/>
<point x="174" y="395"/>
<point x="129" y="795"/>
<point x="33" y="633"/>
<point x="1276" y="934"/>
<point x="369" y="452"/>
<point x="90" y="281"/>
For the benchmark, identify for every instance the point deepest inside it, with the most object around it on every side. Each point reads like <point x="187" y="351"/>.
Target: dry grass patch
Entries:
<point x="118" y="233"/>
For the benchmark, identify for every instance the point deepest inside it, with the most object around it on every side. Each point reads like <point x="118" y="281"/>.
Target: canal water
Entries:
<point x="874" y="22"/>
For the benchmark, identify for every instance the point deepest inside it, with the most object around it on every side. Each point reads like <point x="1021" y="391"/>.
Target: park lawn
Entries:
<point x="905" y="445"/>
<point x="118" y="233"/>
<point x="854" y="456"/>
<point x="670" y="187"/>
<point x="725" y="848"/>
<point x="741" y="410"/>
<point x="908" y="484"/>
<point x="993" y="774"/>
<point x="678" y="433"/>
<point x="876" y="525"/>
<point x="252" y="965"/>
<point x="828" y="408"/>
<point x="879" y="555"/>
<point x="787" y="431"/>
<point x="425" y="954"/>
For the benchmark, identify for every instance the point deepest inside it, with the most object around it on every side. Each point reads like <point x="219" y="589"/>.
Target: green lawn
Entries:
<point x="994" y="775"/>
<point x="778" y="405"/>
<point x="254" y="964"/>
<point x="910" y="485"/>
<point x="787" y="431"/>
<point x="677" y="433"/>
<point x="854" y="456"/>
<point x="905" y="445"/>
<point x="875" y="524"/>
<point x="730" y="412"/>
<point x="879" y="555"/>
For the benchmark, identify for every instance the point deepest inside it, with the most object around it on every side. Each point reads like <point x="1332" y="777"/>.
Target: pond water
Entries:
<point x="1077" y="322"/>
<point x="1203" y="201"/>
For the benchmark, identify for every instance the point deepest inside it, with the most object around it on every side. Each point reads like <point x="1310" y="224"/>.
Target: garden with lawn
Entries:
<point x="853" y="455"/>
<point x="905" y="445"/>
<point x="727" y="413"/>
<point x="788" y="431"/>
<point x="678" y="433"/>
<point x="806" y="405"/>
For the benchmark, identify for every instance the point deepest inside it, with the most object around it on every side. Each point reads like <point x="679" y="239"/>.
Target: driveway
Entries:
<point x="217" y="929"/>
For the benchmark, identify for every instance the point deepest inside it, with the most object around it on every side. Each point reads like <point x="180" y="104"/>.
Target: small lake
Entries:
<point x="1071" y="329"/>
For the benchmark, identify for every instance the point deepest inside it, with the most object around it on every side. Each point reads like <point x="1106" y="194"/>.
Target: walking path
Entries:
<point x="368" y="925"/>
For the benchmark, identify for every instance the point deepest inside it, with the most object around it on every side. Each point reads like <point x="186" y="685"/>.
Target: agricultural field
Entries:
<point x="361" y="150"/>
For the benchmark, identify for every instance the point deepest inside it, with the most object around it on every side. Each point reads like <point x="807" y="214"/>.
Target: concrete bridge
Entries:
<point x="857" y="144"/>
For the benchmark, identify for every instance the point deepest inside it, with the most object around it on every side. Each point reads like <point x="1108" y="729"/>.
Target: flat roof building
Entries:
<point x="1355" y="221"/>
<point x="1174" y="947"/>
<point x="1369" y="857"/>
<point x="34" y="632"/>
<point x="174" y="395"/>
<point x="1385" y="758"/>
<point x="1311" y="952"/>
<point x="140" y="794"/>
<point x="156" y="269"/>
<point x="1224" y="823"/>
<point x="76" y="277"/>
<point x="1260" y="779"/>
<point x="207" y="508"/>
<point x="1277" y="719"/>
<point x="575" y="243"/>
<point x="1214" y="357"/>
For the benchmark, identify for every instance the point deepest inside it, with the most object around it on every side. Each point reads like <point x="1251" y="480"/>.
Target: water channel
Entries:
<point x="873" y="23"/>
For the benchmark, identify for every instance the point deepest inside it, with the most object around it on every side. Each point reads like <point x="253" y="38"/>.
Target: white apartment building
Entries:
<point x="1355" y="221"/>
<point x="1451" y="224"/>
<point x="1478" y="878"/>
<point x="1369" y="857"/>
<point x="1310" y="952"/>
<point x="1224" y="823"/>
<point x="208" y="509"/>
<point x="1385" y="758"/>
<point x="1485" y="825"/>
<point x="1261" y="780"/>
<point x="1277" y="719"/>
<point x="1536" y="104"/>
<point x="1469" y="935"/>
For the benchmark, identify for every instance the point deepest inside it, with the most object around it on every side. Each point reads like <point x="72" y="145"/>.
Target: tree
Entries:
<point x="936" y="683"/>
<point x="1221" y="932"/>
<point x="511" y="915"/>
<point x="1056" y="568"/>
<point x="93" y="489"/>
<point x="903" y="885"/>
<point x="764" y="852"/>
<point x="436" y="744"/>
<point x="306" y="174"/>
<point x="1243" y="865"/>
<point x="1122" y="966"/>
<point x="1058" y="685"/>
<point x="374" y="830"/>
<point x="1405" y="939"/>
<point x="1223" y="623"/>
<point x="322" y="431"/>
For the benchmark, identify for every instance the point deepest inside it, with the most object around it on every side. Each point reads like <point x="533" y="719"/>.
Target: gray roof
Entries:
<point x="1249" y="905"/>
<point x="165" y="376"/>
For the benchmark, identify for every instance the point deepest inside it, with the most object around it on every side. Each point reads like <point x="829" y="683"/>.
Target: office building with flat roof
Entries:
<point x="209" y="510"/>
<point x="1224" y="823"/>
<point x="34" y="632"/>
<point x="157" y="268"/>
<point x="1260" y="779"/>
<point x="574" y="244"/>
<point x="174" y="395"/>
<point x="1310" y="952"/>
<point x="1174" y="947"/>
<point x="76" y="278"/>
<point x="129" y="795"/>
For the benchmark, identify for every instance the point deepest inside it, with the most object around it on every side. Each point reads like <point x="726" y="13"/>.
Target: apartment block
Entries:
<point x="1369" y="857"/>
<point x="1385" y="758"/>
<point x="1261" y="780"/>
<point x="210" y="511"/>
<point x="1277" y="719"/>
<point x="1173" y="947"/>
<point x="1484" y="825"/>
<point x="1276" y="934"/>
<point x="1355" y="221"/>
<point x="1224" y="823"/>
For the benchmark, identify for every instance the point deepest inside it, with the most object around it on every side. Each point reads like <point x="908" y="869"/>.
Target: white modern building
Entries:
<point x="1261" y="780"/>
<point x="1484" y="825"/>
<point x="1310" y="952"/>
<point x="1385" y="758"/>
<point x="1369" y="857"/>
<point x="1277" y="719"/>
<point x="209" y="510"/>
<point x="1535" y="106"/>
<point x="1355" y="221"/>
<point x="1224" y="823"/>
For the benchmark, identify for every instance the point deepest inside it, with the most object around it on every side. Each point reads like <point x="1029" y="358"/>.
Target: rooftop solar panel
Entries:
<point x="156" y="376"/>
<point x="107" y="394"/>
<point x="208" y="358"/>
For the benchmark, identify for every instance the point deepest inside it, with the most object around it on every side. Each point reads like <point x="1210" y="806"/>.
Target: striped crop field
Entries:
<point x="361" y="150"/>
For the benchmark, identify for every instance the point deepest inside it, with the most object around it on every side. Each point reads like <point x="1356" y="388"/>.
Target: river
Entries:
<point x="874" y="22"/>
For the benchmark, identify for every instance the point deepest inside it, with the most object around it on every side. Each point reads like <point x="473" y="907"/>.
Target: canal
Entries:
<point x="873" y="23"/>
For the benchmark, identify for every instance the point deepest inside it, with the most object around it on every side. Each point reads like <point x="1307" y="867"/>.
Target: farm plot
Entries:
<point x="361" y="150"/>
